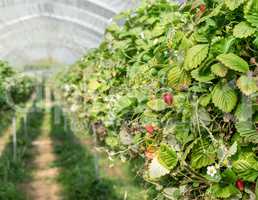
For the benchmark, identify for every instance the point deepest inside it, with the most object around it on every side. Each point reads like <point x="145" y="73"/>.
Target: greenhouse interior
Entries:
<point x="128" y="99"/>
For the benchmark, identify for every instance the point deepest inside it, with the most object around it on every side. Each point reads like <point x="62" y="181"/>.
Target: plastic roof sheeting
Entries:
<point x="60" y="30"/>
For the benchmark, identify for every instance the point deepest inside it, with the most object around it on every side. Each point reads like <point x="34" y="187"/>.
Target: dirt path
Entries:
<point x="43" y="185"/>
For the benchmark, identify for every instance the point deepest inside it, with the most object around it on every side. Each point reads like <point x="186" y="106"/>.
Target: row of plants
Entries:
<point x="15" y="88"/>
<point x="14" y="168"/>
<point x="177" y="85"/>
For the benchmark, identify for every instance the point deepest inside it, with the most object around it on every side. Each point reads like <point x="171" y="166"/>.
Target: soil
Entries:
<point x="44" y="184"/>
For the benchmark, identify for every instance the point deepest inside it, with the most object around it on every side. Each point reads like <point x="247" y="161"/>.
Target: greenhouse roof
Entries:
<point x="61" y="31"/>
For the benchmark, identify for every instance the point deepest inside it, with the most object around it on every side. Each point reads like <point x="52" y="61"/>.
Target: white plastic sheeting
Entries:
<point x="60" y="30"/>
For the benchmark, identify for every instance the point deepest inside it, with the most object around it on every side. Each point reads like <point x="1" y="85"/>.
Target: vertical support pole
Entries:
<point x="96" y="159"/>
<point x="25" y="126"/>
<point x="57" y="113"/>
<point x="14" y="139"/>
<point x="48" y="100"/>
<point x="65" y="122"/>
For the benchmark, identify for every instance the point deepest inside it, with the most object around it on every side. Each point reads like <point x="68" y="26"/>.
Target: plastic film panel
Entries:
<point x="61" y="30"/>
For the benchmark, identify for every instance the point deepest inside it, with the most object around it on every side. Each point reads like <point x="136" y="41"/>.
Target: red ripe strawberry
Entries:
<point x="150" y="129"/>
<point x="202" y="8"/>
<point x="168" y="98"/>
<point x="240" y="185"/>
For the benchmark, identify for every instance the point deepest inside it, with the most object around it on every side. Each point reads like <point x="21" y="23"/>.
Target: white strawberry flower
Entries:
<point x="67" y="87"/>
<point x="74" y="108"/>
<point x="123" y="158"/>
<point x="142" y="35"/>
<point x="156" y="169"/>
<point x="211" y="170"/>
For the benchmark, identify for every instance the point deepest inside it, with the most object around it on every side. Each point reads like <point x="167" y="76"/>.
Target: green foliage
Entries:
<point x="200" y="53"/>
<point x="14" y="88"/>
<point x="182" y="133"/>
<point x="226" y="188"/>
<point x="205" y="100"/>
<point x="224" y="97"/>
<point x="203" y="154"/>
<point x="156" y="105"/>
<point x="172" y="193"/>
<point x="111" y="141"/>
<point x="247" y="131"/>
<point x="243" y="30"/>
<point x="252" y="19"/>
<point x="202" y="74"/>
<point x="195" y="56"/>
<point x="15" y="172"/>
<point x="233" y="62"/>
<point x="221" y="191"/>
<point x="167" y="157"/>
<point x="247" y="85"/>
<point x="233" y="4"/>
<point x="246" y="166"/>
<point x="178" y="78"/>
<point x="124" y="105"/>
<point x="229" y="176"/>
<point x="78" y="176"/>
<point x="219" y="70"/>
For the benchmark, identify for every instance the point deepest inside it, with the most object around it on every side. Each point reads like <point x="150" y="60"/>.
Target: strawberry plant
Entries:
<point x="187" y="75"/>
<point x="16" y="87"/>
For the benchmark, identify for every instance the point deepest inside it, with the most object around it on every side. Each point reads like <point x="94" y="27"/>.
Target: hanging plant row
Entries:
<point x="14" y="88"/>
<point x="177" y="86"/>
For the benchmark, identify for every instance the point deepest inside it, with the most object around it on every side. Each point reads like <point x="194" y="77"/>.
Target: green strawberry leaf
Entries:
<point x="247" y="85"/>
<point x="221" y="191"/>
<point x="203" y="154"/>
<point x="243" y="30"/>
<point x="233" y="4"/>
<point x="246" y="166"/>
<point x="234" y="62"/>
<point x="167" y="156"/>
<point x="202" y="74"/>
<point x="252" y="18"/>
<point x="157" y="105"/>
<point x="205" y="100"/>
<point x="195" y="56"/>
<point x="224" y="97"/>
<point x="178" y="78"/>
<point x="248" y="131"/>
<point x="219" y="70"/>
